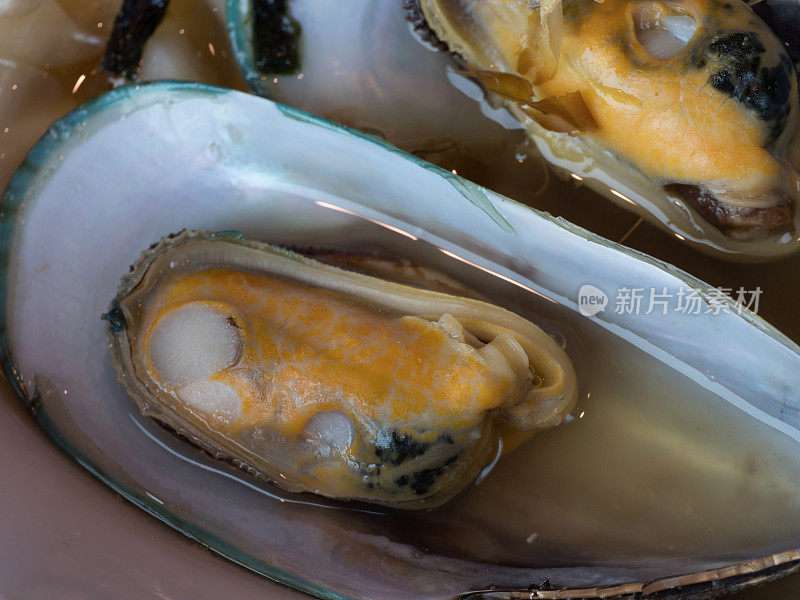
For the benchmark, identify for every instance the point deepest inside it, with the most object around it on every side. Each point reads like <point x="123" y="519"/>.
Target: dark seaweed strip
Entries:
<point x="276" y="38"/>
<point x="135" y="23"/>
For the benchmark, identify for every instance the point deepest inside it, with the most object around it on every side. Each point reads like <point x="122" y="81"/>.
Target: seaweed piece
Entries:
<point x="135" y="23"/>
<point x="276" y="38"/>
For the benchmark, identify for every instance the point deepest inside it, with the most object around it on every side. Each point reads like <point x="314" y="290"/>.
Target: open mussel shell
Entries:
<point x="145" y="161"/>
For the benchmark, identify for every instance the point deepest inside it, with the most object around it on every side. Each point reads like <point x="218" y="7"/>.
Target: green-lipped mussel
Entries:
<point x="694" y="102"/>
<point x="330" y="381"/>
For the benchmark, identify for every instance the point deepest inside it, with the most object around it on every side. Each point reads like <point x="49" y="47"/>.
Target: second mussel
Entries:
<point x="686" y="109"/>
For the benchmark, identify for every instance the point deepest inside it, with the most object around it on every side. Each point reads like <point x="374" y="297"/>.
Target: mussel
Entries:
<point x="680" y="412"/>
<point x="686" y="107"/>
<point x="326" y="380"/>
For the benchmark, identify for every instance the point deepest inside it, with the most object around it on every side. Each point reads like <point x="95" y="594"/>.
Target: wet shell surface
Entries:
<point x="330" y="381"/>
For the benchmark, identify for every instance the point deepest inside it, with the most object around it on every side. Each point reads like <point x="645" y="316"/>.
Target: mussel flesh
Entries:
<point x="326" y="380"/>
<point x="692" y="101"/>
